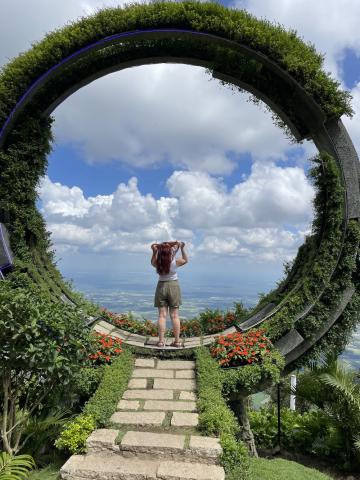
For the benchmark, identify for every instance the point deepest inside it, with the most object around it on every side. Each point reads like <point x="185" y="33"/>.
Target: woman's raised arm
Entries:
<point x="154" y="254"/>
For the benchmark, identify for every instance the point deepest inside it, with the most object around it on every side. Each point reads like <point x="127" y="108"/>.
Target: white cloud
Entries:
<point x="148" y="115"/>
<point x="270" y="196"/>
<point x="247" y="221"/>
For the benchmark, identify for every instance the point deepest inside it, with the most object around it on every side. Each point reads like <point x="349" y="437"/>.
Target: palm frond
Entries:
<point x="15" y="467"/>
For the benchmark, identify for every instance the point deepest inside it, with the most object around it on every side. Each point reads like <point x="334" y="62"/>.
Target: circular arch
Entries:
<point x="88" y="50"/>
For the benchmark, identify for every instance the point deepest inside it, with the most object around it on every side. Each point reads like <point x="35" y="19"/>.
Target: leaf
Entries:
<point x="15" y="467"/>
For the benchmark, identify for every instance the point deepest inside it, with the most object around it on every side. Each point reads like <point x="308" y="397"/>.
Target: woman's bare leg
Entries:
<point x="174" y="315"/>
<point x="162" y="323"/>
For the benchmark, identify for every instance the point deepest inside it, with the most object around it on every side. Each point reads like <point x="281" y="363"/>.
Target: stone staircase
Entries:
<point x="154" y="431"/>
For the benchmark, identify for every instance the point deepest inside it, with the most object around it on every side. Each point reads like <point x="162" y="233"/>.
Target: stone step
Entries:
<point x="108" y="466"/>
<point x="138" y="418"/>
<point x="176" y="364"/>
<point x="155" y="445"/>
<point x="137" y="383"/>
<point x="181" y="419"/>
<point x="170" y="405"/>
<point x="152" y="373"/>
<point x="145" y="362"/>
<point x="164" y="383"/>
<point x="171" y="447"/>
<point x="189" y="471"/>
<point x="148" y="394"/>
<point x="184" y="373"/>
<point x="116" y="467"/>
<point x="187" y="396"/>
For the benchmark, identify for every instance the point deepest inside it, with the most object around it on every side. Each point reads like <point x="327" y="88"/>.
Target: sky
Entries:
<point x="166" y="152"/>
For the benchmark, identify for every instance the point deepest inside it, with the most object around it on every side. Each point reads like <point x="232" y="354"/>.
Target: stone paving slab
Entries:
<point x="138" y="418"/>
<point x="180" y="419"/>
<point x="135" y="343"/>
<point x="176" y="364"/>
<point x="184" y="373"/>
<point x="137" y="383"/>
<point x="135" y="337"/>
<point x="152" y="341"/>
<point x="145" y="362"/>
<point x="102" y="440"/>
<point x="189" y="471"/>
<point x="149" y="394"/>
<point x="207" y="341"/>
<point x="106" y="325"/>
<point x="118" y="334"/>
<point x="170" y="405"/>
<point x="162" y="383"/>
<point x="187" y="396"/>
<point x="102" y="330"/>
<point x="205" y="444"/>
<point x="147" y="441"/>
<point x="192" y="340"/>
<point x="152" y="373"/>
<point x="128" y="405"/>
<point x="109" y="466"/>
<point x="228" y="330"/>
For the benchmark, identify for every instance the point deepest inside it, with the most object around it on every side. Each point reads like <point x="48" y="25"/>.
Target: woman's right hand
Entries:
<point x="182" y="244"/>
<point x="154" y="247"/>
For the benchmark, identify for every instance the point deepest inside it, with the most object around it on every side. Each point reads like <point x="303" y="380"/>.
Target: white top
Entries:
<point x="172" y="275"/>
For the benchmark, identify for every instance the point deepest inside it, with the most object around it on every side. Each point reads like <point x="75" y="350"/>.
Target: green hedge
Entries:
<point x="98" y="410"/>
<point x="216" y="418"/>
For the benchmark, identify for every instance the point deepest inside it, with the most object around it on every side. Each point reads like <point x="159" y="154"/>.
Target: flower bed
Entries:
<point x="106" y="349"/>
<point x="236" y="349"/>
<point x="209" y="322"/>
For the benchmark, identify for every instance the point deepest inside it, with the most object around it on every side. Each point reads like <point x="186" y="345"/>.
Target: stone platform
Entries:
<point x="151" y="342"/>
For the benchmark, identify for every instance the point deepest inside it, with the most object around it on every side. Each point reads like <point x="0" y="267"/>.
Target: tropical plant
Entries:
<point x="44" y="344"/>
<point x="333" y="387"/>
<point x="15" y="467"/>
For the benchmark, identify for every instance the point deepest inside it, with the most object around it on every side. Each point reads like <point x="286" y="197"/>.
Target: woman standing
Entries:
<point x="168" y="293"/>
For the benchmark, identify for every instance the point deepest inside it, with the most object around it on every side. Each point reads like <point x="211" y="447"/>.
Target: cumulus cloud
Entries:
<point x="249" y="220"/>
<point x="270" y="196"/>
<point x="149" y="115"/>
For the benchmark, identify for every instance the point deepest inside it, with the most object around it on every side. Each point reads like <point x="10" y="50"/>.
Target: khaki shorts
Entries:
<point x="168" y="294"/>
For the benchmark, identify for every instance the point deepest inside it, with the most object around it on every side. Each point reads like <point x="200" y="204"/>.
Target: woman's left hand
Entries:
<point x="154" y="247"/>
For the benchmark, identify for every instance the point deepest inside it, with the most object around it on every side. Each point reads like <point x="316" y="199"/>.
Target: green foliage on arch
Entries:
<point x="284" y="47"/>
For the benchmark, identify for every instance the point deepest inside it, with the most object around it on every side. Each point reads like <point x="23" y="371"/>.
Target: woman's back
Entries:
<point x="172" y="275"/>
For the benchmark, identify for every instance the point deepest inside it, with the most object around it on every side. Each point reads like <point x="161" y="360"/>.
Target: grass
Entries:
<point x="51" y="472"/>
<point x="280" y="469"/>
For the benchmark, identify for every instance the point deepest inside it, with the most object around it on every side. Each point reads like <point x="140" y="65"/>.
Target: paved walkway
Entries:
<point x="154" y="434"/>
<point x="150" y="342"/>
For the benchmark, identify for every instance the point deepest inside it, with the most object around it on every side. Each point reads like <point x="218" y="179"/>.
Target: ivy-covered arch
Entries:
<point x="314" y="309"/>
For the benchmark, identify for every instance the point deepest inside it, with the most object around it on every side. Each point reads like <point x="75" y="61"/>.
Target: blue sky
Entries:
<point x="164" y="151"/>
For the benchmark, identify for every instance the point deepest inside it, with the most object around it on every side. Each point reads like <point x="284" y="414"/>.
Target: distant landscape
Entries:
<point x="138" y="298"/>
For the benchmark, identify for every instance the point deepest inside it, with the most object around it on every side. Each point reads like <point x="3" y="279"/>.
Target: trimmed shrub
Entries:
<point x="216" y="418"/>
<point x="98" y="410"/>
<point x="113" y="384"/>
<point x="73" y="437"/>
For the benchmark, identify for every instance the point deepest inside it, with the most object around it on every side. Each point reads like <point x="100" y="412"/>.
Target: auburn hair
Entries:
<point x="165" y="254"/>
